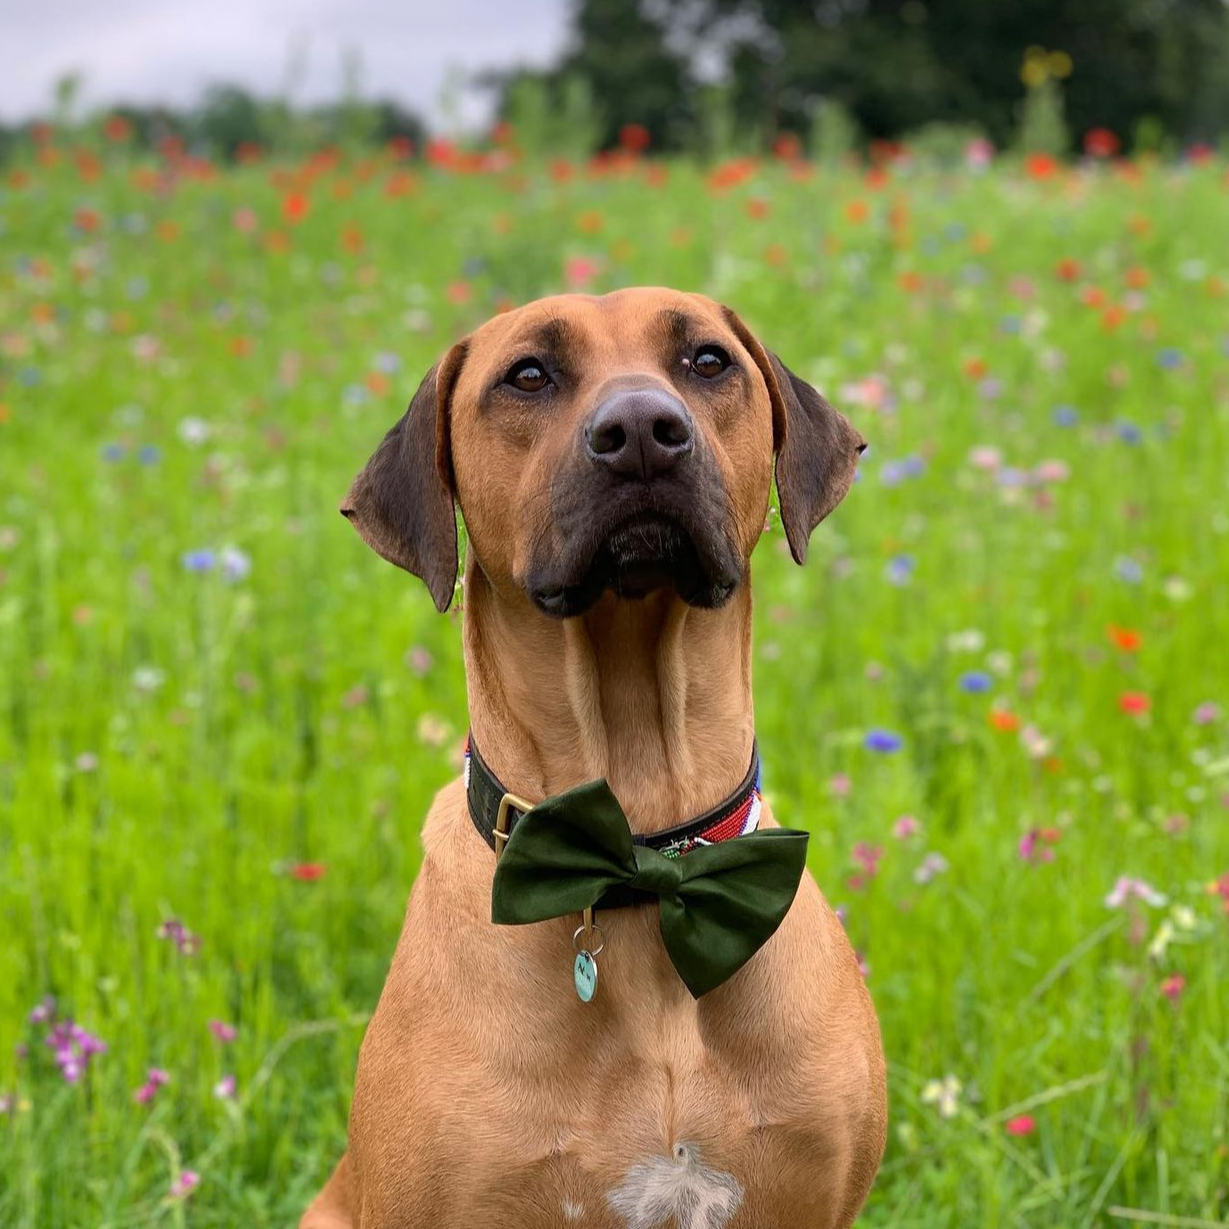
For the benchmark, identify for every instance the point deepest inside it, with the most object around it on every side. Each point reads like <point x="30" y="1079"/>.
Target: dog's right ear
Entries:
<point x="402" y="502"/>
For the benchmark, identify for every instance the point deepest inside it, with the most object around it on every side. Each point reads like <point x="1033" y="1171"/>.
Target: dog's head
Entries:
<point x="623" y="442"/>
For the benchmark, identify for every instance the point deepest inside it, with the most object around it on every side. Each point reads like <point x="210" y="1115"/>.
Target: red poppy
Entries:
<point x="787" y="147"/>
<point x="1067" y="269"/>
<point x="1003" y="720"/>
<point x="308" y="872"/>
<point x="117" y="128"/>
<point x="1125" y="638"/>
<point x="1041" y="166"/>
<point x="634" y="138"/>
<point x="1134" y="702"/>
<point x="295" y="206"/>
<point x="400" y="147"/>
<point x="1101" y="143"/>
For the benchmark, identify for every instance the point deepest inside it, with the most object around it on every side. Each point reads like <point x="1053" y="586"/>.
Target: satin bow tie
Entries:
<point x="719" y="903"/>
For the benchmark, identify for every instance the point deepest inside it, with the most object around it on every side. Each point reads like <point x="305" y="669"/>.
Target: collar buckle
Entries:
<point x="503" y="819"/>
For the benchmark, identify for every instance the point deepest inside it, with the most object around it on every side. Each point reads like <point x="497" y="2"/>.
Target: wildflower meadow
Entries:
<point x="997" y="695"/>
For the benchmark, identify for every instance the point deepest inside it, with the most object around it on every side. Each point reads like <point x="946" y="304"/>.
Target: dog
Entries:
<point x="612" y="458"/>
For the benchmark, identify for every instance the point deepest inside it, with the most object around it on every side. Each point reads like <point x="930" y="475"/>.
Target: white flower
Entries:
<point x="944" y="1093"/>
<point x="971" y="640"/>
<point x="148" y="678"/>
<point x="194" y="430"/>
<point x="235" y="564"/>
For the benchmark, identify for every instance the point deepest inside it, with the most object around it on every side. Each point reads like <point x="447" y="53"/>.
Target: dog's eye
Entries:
<point x="528" y="375"/>
<point x="710" y="361"/>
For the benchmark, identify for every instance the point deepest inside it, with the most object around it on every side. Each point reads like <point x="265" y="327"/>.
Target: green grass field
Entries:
<point x="222" y="718"/>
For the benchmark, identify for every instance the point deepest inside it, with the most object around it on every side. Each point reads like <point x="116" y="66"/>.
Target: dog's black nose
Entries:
<point x="639" y="433"/>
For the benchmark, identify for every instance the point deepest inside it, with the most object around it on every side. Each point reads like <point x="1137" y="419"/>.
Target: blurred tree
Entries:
<point x="629" y="70"/>
<point x="896" y="65"/>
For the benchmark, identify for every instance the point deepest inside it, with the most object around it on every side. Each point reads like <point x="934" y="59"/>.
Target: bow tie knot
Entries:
<point x="719" y="903"/>
<point x="656" y="873"/>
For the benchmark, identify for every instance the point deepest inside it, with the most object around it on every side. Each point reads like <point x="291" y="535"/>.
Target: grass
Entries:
<point x="202" y="361"/>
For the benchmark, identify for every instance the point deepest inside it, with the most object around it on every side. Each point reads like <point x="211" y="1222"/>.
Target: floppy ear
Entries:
<point x="817" y="448"/>
<point x="401" y="503"/>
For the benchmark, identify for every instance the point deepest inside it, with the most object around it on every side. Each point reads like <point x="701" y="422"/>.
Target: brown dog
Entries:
<point x="612" y="459"/>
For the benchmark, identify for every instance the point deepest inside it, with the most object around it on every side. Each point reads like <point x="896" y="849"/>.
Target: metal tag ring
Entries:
<point x="594" y="929"/>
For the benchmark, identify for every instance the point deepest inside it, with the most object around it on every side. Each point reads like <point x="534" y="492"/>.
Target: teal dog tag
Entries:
<point x="584" y="972"/>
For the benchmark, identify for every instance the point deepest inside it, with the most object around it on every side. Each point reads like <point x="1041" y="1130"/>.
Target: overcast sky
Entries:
<point x="169" y="50"/>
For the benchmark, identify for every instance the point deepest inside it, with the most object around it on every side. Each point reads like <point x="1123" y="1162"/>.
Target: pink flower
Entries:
<point x="1021" y="1125"/>
<point x="1173" y="986"/>
<point x="225" y="1033"/>
<point x="868" y="857"/>
<point x="840" y="785"/>
<point x="985" y="457"/>
<point x="905" y="827"/>
<point x="1207" y="713"/>
<point x="185" y="1184"/>
<point x="579" y="271"/>
<point x="155" y="1077"/>
<point x="224" y="1089"/>
<point x="1127" y="888"/>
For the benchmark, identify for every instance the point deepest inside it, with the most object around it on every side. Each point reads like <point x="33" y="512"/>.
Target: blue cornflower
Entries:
<point x="900" y="569"/>
<point x="1128" y="570"/>
<point x="113" y="452"/>
<point x="884" y="741"/>
<point x="976" y="682"/>
<point x="1128" y="432"/>
<point x="1169" y="358"/>
<point x="1011" y="325"/>
<point x="199" y="560"/>
<point x="1066" y="416"/>
<point x="892" y="473"/>
<point x="913" y="466"/>
<point x="150" y="454"/>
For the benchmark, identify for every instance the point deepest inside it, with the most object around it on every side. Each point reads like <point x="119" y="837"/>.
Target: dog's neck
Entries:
<point x="653" y="695"/>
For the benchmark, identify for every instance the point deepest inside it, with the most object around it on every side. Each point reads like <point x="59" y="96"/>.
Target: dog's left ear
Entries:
<point x="817" y="448"/>
<point x="402" y="501"/>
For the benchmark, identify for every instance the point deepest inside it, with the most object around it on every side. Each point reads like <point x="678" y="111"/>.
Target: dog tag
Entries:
<point x="584" y="967"/>
<point x="584" y="972"/>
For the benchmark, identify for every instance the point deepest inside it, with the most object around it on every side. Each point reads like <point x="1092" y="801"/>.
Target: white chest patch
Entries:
<point x="676" y="1186"/>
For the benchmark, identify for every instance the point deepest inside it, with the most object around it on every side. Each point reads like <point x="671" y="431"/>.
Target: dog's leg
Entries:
<point x="332" y="1209"/>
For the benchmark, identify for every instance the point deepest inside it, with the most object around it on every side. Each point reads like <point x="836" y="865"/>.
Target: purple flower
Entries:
<point x="74" y="1047"/>
<point x="185" y="941"/>
<point x="884" y="741"/>
<point x="1207" y="713"/>
<point x="199" y="560"/>
<point x="976" y="682"/>
<point x="224" y="1032"/>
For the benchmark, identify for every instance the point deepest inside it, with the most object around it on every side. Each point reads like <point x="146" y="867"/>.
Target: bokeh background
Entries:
<point x="233" y="238"/>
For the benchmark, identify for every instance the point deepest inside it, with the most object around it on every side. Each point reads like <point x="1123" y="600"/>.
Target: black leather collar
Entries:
<point x="729" y="818"/>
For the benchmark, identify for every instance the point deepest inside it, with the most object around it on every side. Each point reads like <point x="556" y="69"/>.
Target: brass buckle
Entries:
<point x="503" y="820"/>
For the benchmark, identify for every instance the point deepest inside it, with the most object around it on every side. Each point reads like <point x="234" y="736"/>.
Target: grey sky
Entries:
<point x="169" y="50"/>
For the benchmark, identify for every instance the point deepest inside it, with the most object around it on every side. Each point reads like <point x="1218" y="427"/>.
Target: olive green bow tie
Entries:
<point x="719" y="903"/>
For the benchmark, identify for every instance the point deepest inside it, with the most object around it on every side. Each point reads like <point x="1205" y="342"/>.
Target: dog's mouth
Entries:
<point x="639" y="555"/>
